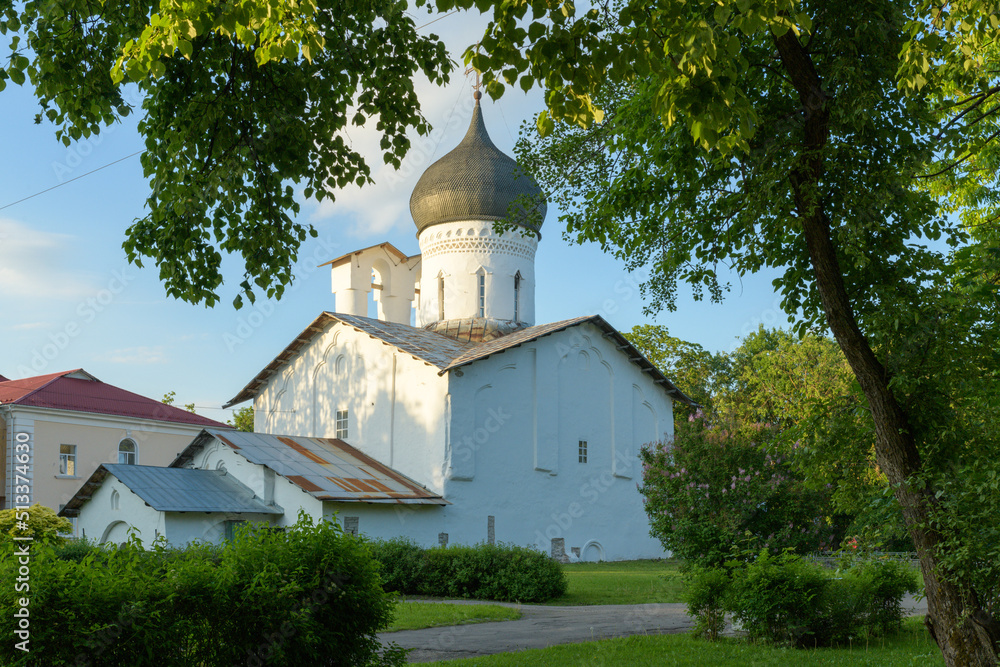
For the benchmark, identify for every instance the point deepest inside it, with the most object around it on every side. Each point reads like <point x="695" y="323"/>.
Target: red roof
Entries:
<point x="80" y="391"/>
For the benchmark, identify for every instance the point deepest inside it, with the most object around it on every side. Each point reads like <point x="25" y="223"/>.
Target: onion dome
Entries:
<point x="476" y="181"/>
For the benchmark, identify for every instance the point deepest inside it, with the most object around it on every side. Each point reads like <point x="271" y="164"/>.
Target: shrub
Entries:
<point x="308" y="595"/>
<point x="401" y="563"/>
<point x="42" y="524"/>
<point x="783" y="599"/>
<point x="502" y="572"/>
<point x="776" y="597"/>
<point x="712" y="488"/>
<point x="705" y="592"/>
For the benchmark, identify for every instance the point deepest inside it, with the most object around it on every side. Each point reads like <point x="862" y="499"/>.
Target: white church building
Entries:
<point x="474" y="425"/>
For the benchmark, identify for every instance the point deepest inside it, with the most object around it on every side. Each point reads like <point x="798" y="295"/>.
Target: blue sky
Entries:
<point x="70" y="299"/>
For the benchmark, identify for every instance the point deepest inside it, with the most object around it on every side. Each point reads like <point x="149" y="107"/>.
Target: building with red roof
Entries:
<point x="58" y="428"/>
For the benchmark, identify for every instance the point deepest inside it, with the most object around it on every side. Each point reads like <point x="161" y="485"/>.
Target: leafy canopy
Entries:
<point x="246" y="108"/>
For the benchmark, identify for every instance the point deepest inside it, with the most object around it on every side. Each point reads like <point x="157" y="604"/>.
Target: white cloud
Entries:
<point x="156" y="354"/>
<point x="29" y="261"/>
<point x="26" y="326"/>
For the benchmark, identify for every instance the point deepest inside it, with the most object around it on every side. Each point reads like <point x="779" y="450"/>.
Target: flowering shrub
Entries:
<point x="714" y="493"/>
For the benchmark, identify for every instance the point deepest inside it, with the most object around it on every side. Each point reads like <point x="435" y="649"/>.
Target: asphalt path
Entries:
<point x="541" y="626"/>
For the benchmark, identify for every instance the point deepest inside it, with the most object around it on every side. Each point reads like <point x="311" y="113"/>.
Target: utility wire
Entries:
<point x="69" y="181"/>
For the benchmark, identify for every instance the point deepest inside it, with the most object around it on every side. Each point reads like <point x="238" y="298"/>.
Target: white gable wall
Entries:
<point x="99" y="521"/>
<point x="517" y="419"/>
<point x="396" y="404"/>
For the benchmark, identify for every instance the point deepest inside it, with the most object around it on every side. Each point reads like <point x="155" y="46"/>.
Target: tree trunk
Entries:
<point x="966" y="634"/>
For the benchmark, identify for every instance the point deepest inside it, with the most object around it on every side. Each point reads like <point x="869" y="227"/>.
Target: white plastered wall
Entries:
<point x="100" y="522"/>
<point x="396" y="404"/>
<point x="517" y="421"/>
<point x="457" y="251"/>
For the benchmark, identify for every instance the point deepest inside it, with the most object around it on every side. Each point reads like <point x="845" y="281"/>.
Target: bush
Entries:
<point x="308" y="595"/>
<point x="785" y="600"/>
<point x="776" y="597"/>
<point x="401" y="563"/>
<point x="705" y="593"/>
<point x="502" y="572"/>
<point x="713" y="488"/>
<point x="42" y="524"/>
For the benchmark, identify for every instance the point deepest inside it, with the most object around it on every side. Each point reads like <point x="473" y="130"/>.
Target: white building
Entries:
<point x="511" y="431"/>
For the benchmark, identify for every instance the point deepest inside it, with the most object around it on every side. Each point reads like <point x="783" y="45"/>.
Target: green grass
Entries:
<point x="912" y="647"/>
<point x="417" y="615"/>
<point x="621" y="582"/>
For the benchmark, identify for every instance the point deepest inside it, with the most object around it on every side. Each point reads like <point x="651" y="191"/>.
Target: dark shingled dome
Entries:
<point x="476" y="181"/>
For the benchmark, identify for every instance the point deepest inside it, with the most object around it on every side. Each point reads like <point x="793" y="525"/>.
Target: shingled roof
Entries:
<point x="446" y="353"/>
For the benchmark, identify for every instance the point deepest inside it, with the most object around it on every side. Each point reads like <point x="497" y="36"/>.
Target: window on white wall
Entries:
<point x="115" y="500"/>
<point x="341" y="425"/>
<point x="582" y="451"/>
<point x="440" y="296"/>
<point x="67" y="460"/>
<point x="481" y="292"/>
<point x="517" y="296"/>
<point x="128" y="452"/>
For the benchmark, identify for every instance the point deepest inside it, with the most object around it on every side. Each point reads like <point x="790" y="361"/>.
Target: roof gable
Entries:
<point x="325" y="468"/>
<point x="79" y="391"/>
<point x="446" y="353"/>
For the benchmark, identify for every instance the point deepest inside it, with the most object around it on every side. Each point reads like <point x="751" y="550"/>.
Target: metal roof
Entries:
<point x="176" y="490"/>
<point x="445" y="352"/>
<point x="326" y="468"/>
<point x="428" y="346"/>
<point x="389" y="249"/>
<point x="476" y="181"/>
<point x="80" y="391"/>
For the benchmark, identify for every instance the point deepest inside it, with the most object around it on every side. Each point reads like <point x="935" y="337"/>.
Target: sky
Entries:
<point x="70" y="299"/>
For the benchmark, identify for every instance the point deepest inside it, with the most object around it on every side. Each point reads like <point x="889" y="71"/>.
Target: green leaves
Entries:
<point x="241" y="101"/>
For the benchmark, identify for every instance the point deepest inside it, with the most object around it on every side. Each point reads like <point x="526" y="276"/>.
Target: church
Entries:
<point x="450" y="418"/>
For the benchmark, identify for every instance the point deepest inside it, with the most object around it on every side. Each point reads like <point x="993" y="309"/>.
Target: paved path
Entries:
<point x="542" y="626"/>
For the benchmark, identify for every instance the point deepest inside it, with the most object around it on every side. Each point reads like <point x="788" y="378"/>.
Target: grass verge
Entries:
<point x="621" y="582"/>
<point x="418" y="615"/>
<point x="912" y="647"/>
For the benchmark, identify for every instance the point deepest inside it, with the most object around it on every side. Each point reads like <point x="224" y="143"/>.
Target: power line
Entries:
<point x="69" y="181"/>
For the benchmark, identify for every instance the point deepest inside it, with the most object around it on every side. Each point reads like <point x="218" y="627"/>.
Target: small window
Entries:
<point x="517" y="296"/>
<point x="341" y="425"/>
<point x="582" y="451"/>
<point x="481" y="281"/>
<point x="441" y="297"/>
<point x="127" y="452"/>
<point x="115" y="500"/>
<point x="67" y="460"/>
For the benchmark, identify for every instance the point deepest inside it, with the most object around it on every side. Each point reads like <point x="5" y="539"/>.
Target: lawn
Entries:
<point x="912" y="647"/>
<point x="621" y="582"/>
<point x="417" y="615"/>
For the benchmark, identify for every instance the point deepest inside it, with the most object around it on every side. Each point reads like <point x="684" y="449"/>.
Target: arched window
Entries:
<point x="517" y="296"/>
<point x="115" y="500"/>
<point x="127" y="452"/>
<point x="440" y="296"/>
<point x="481" y="293"/>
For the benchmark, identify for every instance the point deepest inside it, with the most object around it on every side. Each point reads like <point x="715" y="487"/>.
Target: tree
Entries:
<point x="242" y="419"/>
<point x="714" y="490"/>
<point x="170" y="396"/>
<point x="240" y="102"/>
<point x="826" y="139"/>
<point x="694" y="370"/>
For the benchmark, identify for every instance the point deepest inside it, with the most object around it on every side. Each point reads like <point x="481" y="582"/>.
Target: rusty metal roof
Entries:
<point x="176" y="490"/>
<point x="445" y="352"/>
<point x="326" y="468"/>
